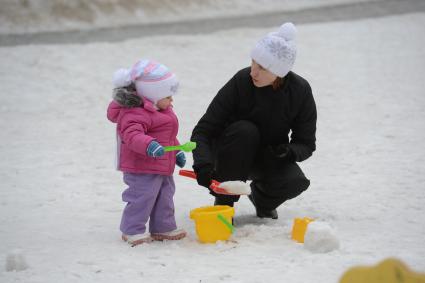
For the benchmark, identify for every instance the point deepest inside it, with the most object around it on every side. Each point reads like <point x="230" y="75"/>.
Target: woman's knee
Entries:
<point x="296" y="186"/>
<point x="243" y="130"/>
<point x="236" y="150"/>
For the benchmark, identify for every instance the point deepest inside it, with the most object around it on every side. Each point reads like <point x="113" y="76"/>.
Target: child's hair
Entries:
<point x="127" y="96"/>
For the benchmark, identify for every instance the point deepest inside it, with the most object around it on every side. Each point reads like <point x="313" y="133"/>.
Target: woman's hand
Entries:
<point x="204" y="176"/>
<point x="280" y="152"/>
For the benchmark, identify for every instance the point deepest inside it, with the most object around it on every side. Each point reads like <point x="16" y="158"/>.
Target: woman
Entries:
<point x="244" y="133"/>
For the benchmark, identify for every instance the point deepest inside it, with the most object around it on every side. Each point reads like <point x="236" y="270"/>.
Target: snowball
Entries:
<point x="320" y="238"/>
<point x="15" y="261"/>
<point x="236" y="187"/>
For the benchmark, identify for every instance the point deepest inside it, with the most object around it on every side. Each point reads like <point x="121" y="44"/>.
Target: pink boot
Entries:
<point x="138" y="239"/>
<point x="172" y="235"/>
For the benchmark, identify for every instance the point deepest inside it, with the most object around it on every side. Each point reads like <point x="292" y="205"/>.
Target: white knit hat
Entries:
<point x="276" y="51"/>
<point x="153" y="80"/>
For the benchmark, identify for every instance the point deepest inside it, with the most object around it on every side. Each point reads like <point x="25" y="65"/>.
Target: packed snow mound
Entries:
<point x="236" y="187"/>
<point x="15" y="261"/>
<point x="320" y="238"/>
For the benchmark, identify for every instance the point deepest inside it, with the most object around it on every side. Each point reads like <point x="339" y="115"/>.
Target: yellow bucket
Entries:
<point x="213" y="223"/>
<point x="299" y="228"/>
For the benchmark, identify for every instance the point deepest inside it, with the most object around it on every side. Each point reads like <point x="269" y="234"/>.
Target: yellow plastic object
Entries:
<point x="390" y="270"/>
<point x="209" y="227"/>
<point x="299" y="228"/>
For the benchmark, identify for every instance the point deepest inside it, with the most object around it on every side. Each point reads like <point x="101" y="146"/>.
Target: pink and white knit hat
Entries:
<point x="153" y="80"/>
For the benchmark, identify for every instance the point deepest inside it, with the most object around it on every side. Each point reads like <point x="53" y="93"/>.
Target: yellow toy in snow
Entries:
<point x="299" y="228"/>
<point x="213" y="223"/>
<point x="390" y="270"/>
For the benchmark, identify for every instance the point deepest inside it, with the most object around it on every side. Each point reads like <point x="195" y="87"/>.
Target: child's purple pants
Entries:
<point x="148" y="195"/>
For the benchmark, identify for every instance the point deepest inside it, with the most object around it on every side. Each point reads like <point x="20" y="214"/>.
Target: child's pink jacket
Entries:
<point x="136" y="128"/>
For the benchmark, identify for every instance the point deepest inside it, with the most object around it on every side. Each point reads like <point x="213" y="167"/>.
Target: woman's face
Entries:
<point x="164" y="103"/>
<point x="260" y="76"/>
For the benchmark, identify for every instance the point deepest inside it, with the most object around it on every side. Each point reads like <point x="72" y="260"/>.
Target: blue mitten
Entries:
<point x="180" y="159"/>
<point x="155" y="149"/>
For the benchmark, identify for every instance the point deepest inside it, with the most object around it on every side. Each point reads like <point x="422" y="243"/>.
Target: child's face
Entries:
<point x="164" y="103"/>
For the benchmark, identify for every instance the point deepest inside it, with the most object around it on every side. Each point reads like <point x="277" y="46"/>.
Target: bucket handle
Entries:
<point x="225" y="222"/>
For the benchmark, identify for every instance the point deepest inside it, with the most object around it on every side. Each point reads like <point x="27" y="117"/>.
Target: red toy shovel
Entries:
<point x="215" y="185"/>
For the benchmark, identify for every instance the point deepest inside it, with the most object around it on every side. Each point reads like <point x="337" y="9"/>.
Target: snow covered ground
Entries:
<point x="56" y="15"/>
<point x="60" y="197"/>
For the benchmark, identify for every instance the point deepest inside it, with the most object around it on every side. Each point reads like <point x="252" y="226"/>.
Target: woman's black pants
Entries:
<point x="239" y="156"/>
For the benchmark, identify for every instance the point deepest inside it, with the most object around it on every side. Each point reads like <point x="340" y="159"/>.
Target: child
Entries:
<point x="146" y="122"/>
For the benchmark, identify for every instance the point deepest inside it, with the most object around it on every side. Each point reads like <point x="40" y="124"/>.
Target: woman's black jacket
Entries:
<point x="277" y="113"/>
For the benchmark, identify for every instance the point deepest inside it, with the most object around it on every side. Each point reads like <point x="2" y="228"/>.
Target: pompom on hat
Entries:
<point x="153" y="80"/>
<point x="276" y="52"/>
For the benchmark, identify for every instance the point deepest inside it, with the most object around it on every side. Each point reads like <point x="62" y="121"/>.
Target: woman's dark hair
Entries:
<point x="127" y="96"/>
<point x="278" y="82"/>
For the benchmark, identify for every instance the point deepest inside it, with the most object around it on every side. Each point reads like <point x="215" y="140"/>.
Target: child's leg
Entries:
<point x="162" y="216"/>
<point x="140" y="196"/>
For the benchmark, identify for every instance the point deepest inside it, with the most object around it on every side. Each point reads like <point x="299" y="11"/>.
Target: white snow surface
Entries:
<point x="57" y="15"/>
<point x="60" y="197"/>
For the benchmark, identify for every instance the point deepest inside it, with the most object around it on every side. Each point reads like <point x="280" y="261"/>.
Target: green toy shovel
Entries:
<point x="186" y="147"/>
